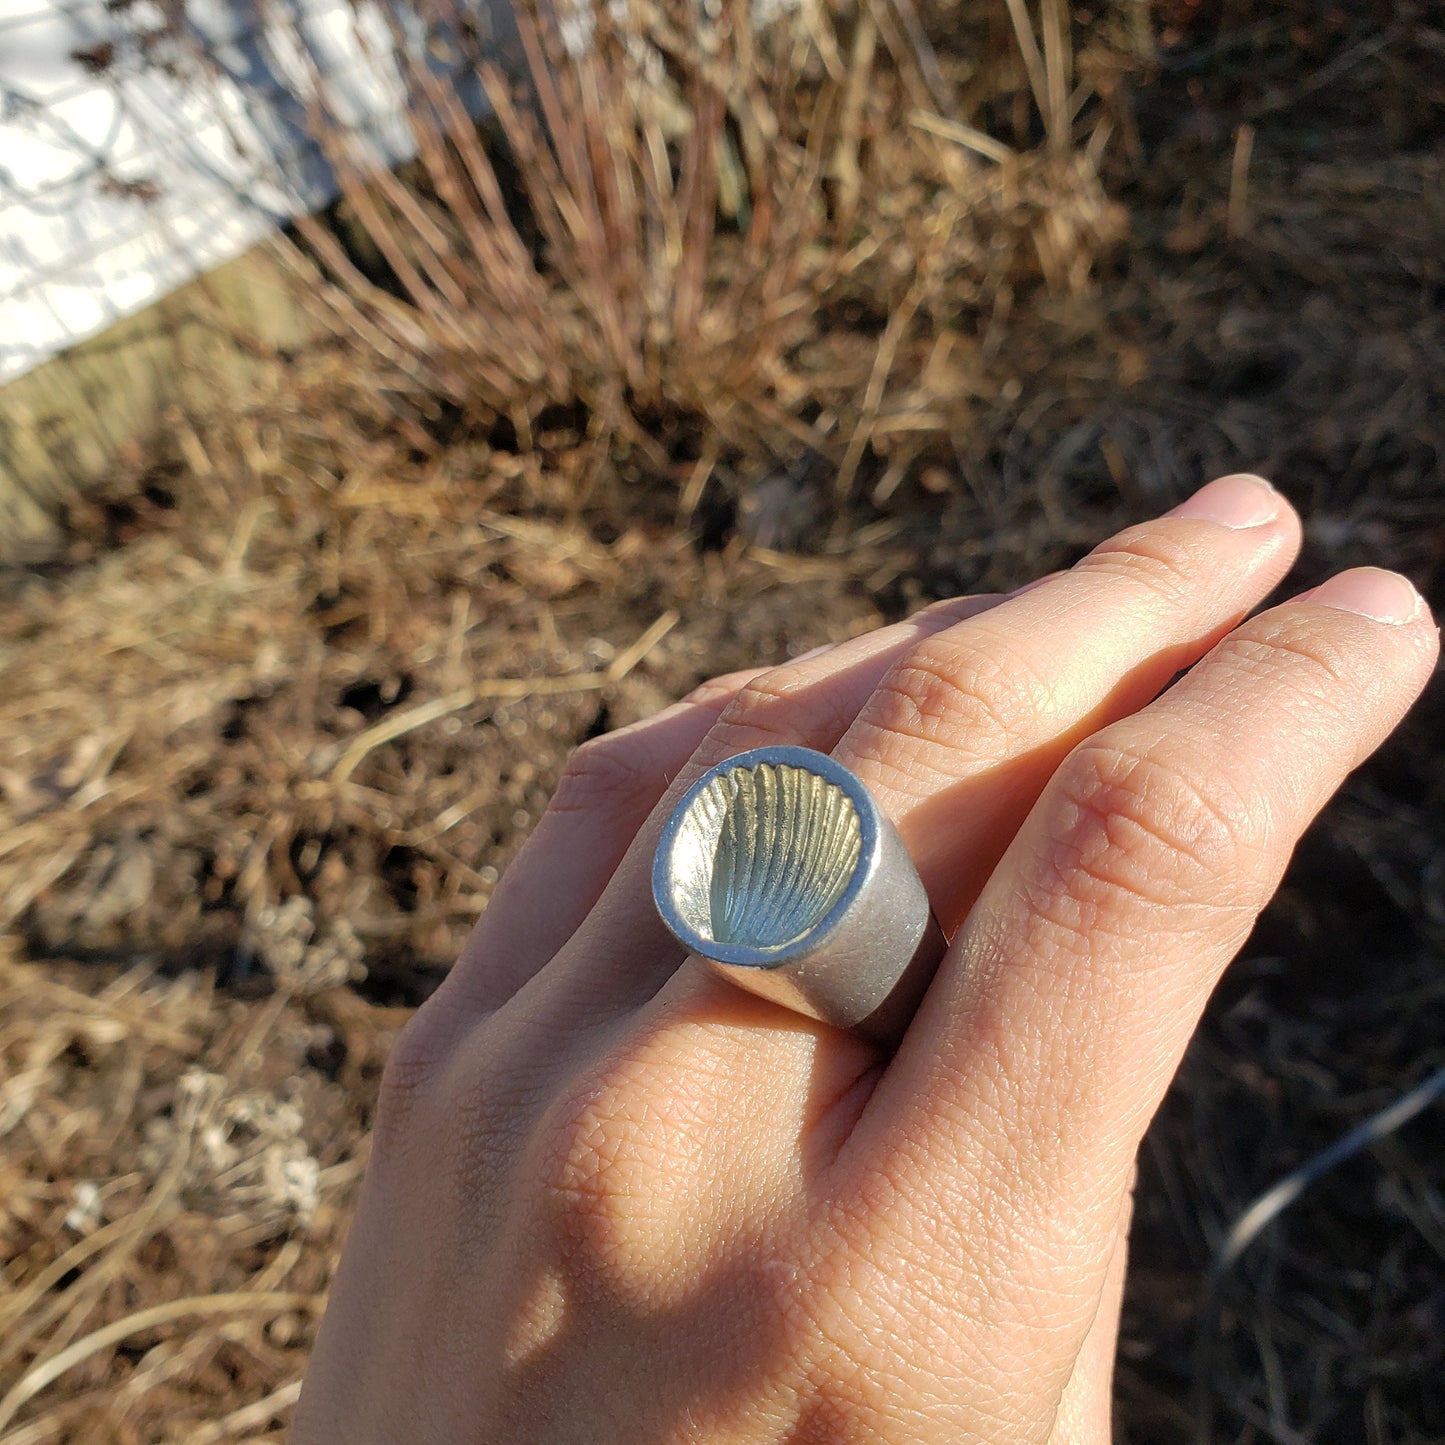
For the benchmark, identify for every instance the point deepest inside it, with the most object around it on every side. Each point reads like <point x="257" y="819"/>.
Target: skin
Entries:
<point x="614" y="1199"/>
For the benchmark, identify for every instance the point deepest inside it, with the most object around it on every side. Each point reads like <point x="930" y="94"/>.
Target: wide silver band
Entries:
<point x="778" y="869"/>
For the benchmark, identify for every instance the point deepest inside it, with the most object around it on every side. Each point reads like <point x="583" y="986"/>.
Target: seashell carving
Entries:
<point x="763" y="854"/>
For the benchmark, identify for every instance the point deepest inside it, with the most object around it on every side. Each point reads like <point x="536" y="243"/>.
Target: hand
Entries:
<point x="614" y="1199"/>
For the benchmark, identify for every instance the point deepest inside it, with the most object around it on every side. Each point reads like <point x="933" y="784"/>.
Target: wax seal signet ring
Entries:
<point x="779" y="871"/>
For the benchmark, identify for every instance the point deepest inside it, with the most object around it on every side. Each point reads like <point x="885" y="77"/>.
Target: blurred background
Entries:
<point x="394" y="396"/>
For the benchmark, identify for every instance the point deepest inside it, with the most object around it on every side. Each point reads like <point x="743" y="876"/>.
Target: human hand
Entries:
<point x="613" y="1198"/>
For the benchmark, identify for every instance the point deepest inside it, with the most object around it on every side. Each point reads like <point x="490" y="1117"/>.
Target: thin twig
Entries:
<point x="248" y="1417"/>
<point x="1266" y="1209"/>
<point x="927" y="57"/>
<point x="1029" y="50"/>
<point x="888" y="345"/>
<point x="1058" y="64"/>
<point x="398" y="724"/>
<point x="1238" y="221"/>
<point x="627" y="659"/>
<point x="964" y="135"/>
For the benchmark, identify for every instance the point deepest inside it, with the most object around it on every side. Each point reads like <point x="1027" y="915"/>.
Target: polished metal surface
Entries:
<point x="778" y="870"/>
<point x="763" y="853"/>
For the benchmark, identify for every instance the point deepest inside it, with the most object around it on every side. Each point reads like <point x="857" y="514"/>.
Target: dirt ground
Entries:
<point x="275" y="722"/>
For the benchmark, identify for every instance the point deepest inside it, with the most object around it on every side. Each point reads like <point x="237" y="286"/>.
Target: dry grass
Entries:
<point x="681" y="208"/>
<point x="171" y="1160"/>
<point x="234" y="755"/>
<point x="742" y="344"/>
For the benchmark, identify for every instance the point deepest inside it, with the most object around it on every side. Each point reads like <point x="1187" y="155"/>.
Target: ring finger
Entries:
<point x="613" y="782"/>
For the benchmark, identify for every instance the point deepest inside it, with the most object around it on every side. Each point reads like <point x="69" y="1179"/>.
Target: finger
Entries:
<point x="1086" y="1408"/>
<point x="787" y="1070"/>
<point x="623" y="951"/>
<point x="609" y="786"/>
<point x="1029" y="1075"/>
<point x="967" y="720"/>
<point x="963" y="733"/>
<point x="967" y="725"/>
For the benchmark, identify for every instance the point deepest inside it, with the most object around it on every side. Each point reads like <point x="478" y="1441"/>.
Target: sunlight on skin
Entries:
<point x="538" y="1320"/>
<point x="614" y="1198"/>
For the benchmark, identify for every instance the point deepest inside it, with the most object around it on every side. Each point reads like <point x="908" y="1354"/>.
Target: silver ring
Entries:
<point x="779" y="871"/>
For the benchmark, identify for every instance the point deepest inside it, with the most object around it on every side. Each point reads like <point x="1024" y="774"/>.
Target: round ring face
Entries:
<point x="763" y="854"/>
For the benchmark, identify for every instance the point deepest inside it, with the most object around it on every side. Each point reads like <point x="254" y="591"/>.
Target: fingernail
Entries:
<point x="814" y="652"/>
<point x="1238" y="501"/>
<point x="1372" y="592"/>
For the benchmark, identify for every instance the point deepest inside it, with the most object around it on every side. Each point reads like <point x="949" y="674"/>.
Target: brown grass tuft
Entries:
<point x="679" y="225"/>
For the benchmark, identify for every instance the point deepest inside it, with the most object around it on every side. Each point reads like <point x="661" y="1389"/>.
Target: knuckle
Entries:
<point x="603" y="772"/>
<point x="779" y="706"/>
<point x="1141" y="827"/>
<point x="627" y="1157"/>
<point x="410" y="1077"/>
<point x="1317" y="665"/>
<point x="1156" y="560"/>
<point x="415" y="1057"/>
<point x="980" y="699"/>
<point x="775" y="690"/>
<point x="716" y="692"/>
<point x="956" y="609"/>
<point x="579" y="1142"/>
<point x="442" y="1055"/>
<point x="610" y="1153"/>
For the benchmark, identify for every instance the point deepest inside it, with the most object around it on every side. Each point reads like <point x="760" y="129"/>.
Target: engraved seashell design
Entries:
<point x="762" y="854"/>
